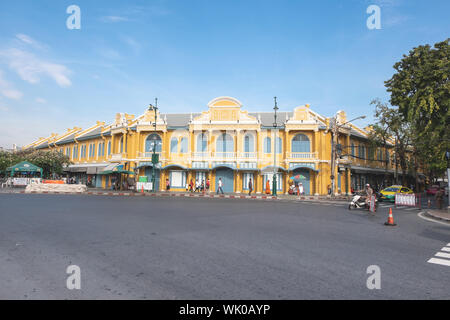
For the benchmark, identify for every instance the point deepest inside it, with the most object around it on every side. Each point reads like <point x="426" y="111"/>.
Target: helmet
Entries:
<point x="367" y="185"/>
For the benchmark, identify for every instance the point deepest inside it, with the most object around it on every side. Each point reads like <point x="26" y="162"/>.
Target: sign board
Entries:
<point x="20" y="181"/>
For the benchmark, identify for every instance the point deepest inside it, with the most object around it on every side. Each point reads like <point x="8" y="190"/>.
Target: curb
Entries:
<point x="432" y="216"/>
<point x="189" y="195"/>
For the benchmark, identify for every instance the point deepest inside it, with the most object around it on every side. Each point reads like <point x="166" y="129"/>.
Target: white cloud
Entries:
<point x="7" y="90"/>
<point x="30" y="68"/>
<point x="114" y="19"/>
<point x="133" y="44"/>
<point x="41" y="100"/>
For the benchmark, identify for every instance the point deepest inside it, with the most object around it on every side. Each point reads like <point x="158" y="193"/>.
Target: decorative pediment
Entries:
<point x="302" y="113"/>
<point x="122" y="119"/>
<point x="224" y="109"/>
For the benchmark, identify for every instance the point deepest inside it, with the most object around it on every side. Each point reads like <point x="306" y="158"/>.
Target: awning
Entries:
<point x="270" y="169"/>
<point x="89" y="168"/>
<point x="24" y="166"/>
<point x="115" y="168"/>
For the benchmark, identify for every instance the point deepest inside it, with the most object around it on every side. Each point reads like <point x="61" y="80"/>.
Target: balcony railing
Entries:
<point x="224" y="155"/>
<point x="118" y="156"/>
<point x="248" y="155"/>
<point x="301" y="155"/>
<point x="147" y="155"/>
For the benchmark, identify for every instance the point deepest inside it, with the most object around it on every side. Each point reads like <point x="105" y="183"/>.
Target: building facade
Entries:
<point x="226" y="142"/>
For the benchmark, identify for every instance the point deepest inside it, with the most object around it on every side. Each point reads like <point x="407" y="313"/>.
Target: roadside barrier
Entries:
<point x="408" y="200"/>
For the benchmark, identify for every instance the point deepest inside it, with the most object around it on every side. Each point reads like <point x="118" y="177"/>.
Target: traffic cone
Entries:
<point x="390" y="221"/>
<point x="142" y="189"/>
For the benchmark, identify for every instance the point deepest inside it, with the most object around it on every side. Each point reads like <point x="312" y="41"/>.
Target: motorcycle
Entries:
<point x="359" y="201"/>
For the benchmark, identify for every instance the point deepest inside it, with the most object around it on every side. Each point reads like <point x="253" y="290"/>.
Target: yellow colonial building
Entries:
<point x="224" y="141"/>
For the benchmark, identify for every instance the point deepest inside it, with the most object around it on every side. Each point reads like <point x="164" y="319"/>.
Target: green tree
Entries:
<point x="390" y="126"/>
<point x="420" y="89"/>
<point x="52" y="162"/>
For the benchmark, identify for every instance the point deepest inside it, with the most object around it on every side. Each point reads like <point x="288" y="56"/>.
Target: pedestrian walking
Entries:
<point x="300" y="189"/>
<point x="439" y="198"/>
<point x="207" y="185"/>
<point x="191" y="186"/>
<point x="167" y="185"/>
<point x="250" y="186"/>
<point x="219" y="186"/>
<point x="197" y="186"/>
<point x="267" y="186"/>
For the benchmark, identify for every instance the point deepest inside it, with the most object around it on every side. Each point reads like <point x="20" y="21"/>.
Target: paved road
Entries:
<point x="182" y="248"/>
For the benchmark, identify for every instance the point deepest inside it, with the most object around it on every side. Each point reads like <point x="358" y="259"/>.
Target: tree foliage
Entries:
<point x="52" y="162"/>
<point x="420" y="89"/>
<point x="392" y="131"/>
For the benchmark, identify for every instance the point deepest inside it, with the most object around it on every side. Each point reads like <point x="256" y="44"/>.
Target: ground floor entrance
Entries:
<point x="227" y="177"/>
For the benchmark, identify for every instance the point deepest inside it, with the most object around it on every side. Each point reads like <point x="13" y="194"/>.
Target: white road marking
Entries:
<point x="420" y="215"/>
<point x="442" y="255"/>
<point x="447" y="249"/>
<point x="439" y="261"/>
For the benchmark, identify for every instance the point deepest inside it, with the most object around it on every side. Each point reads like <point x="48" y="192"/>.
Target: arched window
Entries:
<point x="300" y="143"/>
<point x="202" y="142"/>
<point x="225" y="143"/>
<point x="249" y="145"/>
<point x="267" y="145"/>
<point x="184" y="145"/>
<point x="174" y="145"/>
<point x="121" y="144"/>
<point x="151" y="141"/>
<point x="279" y="145"/>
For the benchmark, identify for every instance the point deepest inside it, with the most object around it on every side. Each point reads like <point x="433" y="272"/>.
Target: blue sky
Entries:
<point x="189" y="52"/>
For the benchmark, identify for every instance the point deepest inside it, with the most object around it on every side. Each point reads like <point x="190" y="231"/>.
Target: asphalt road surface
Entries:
<point x="182" y="248"/>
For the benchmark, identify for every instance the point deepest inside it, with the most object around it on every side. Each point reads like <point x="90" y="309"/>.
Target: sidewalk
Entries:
<point x="439" y="214"/>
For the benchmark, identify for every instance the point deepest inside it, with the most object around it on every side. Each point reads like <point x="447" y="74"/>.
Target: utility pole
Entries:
<point x="334" y="140"/>
<point x="155" y="156"/>
<point x="275" y="125"/>
<point x="333" y="154"/>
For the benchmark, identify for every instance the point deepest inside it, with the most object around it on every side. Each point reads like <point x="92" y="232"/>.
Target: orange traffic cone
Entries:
<point x="390" y="221"/>
<point x="142" y="189"/>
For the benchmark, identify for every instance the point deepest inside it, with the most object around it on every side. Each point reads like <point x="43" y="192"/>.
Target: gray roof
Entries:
<point x="179" y="119"/>
<point x="93" y="133"/>
<point x="42" y="145"/>
<point x="267" y="117"/>
<point x="68" y="139"/>
<point x="356" y="133"/>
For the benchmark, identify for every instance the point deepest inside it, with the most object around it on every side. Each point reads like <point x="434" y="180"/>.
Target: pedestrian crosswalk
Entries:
<point x="442" y="257"/>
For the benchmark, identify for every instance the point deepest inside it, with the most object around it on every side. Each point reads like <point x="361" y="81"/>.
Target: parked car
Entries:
<point x="388" y="194"/>
<point x="431" y="191"/>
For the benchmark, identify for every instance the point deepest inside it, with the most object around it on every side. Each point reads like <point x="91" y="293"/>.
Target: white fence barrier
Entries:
<point x="146" y="185"/>
<point x="402" y="199"/>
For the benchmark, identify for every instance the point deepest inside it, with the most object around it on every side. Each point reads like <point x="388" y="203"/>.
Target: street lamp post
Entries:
<point x="335" y="131"/>
<point x="447" y="156"/>
<point x="275" y="125"/>
<point x="155" y="157"/>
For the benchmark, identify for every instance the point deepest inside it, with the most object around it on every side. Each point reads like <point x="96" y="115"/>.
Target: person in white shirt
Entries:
<point x="220" y="185"/>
